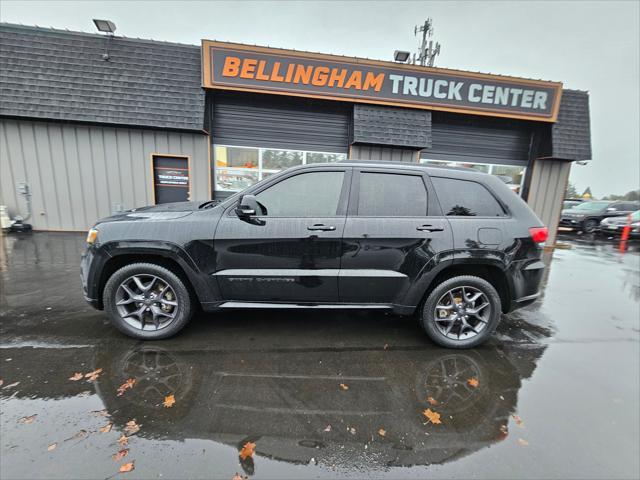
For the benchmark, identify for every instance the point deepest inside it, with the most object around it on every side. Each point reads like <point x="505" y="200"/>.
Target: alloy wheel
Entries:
<point x="462" y="313"/>
<point x="146" y="302"/>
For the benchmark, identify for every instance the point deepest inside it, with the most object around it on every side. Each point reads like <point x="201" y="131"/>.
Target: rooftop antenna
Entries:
<point x="427" y="52"/>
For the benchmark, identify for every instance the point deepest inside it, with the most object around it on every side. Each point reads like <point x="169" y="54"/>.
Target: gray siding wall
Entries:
<point x="79" y="173"/>
<point x="375" y="152"/>
<point x="546" y="193"/>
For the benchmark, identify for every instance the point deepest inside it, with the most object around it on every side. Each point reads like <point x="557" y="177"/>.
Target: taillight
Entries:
<point x="539" y="234"/>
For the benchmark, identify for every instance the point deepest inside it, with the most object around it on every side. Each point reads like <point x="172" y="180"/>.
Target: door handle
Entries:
<point x="322" y="227"/>
<point x="429" y="228"/>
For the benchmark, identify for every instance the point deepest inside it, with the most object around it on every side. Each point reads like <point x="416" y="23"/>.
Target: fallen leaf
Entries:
<point x="52" y="447"/>
<point x="76" y="376"/>
<point x="344" y="386"/>
<point x="473" y="382"/>
<point x="80" y="434"/>
<point x="327" y="428"/>
<point x="518" y="420"/>
<point x="123" y="440"/>
<point x="93" y="376"/>
<point x="522" y="442"/>
<point x="382" y="432"/>
<point x="433" y="417"/>
<point x="125" y="386"/>
<point x="106" y="428"/>
<point x="247" y="450"/>
<point x="101" y="413"/>
<point x="11" y="385"/>
<point x="28" y="419"/>
<point x="169" y="401"/>
<point x="120" y="455"/>
<point x="131" y="427"/>
<point x="432" y="401"/>
<point x="127" y="467"/>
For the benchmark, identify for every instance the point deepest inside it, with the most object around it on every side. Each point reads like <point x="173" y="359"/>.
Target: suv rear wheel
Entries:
<point x="461" y="312"/>
<point x="147" y="301"/>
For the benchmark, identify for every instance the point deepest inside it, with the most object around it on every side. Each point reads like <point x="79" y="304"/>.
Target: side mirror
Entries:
<point x="247" y="206"/>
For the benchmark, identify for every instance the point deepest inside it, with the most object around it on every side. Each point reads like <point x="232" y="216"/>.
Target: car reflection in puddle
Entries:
<point x="293" y="406"/>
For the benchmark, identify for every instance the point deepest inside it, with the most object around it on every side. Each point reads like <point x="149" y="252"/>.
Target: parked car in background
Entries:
<point x="570" y="203"/>
<point x="615" y="225"/>
<point x="587" y="216"/>
<point x="455" y="247"/>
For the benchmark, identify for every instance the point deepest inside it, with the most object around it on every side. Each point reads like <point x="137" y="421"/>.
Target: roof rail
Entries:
<point x="410" y="164"/>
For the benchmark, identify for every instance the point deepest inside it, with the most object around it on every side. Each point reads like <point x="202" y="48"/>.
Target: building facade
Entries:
<point x="97" y="124"/>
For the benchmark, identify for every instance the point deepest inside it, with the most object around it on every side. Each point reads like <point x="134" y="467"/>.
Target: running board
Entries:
<point x="367" y="306"/>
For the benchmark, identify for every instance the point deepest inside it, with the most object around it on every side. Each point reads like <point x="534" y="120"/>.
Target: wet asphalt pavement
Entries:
<point x="557" y="394"/>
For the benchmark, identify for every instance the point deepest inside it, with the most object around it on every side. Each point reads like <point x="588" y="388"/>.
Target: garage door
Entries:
<point x="277" y="121"/>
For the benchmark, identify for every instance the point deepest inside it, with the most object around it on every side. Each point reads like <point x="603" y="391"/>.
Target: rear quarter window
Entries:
<point x="465" y="198"/>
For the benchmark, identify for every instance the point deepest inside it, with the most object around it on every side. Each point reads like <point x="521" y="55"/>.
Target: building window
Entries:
<point x="512" y="175"/>
<point x="237" y="168"/>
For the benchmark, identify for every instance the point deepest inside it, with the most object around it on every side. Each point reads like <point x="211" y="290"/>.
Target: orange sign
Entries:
<point x="287" y="72"/>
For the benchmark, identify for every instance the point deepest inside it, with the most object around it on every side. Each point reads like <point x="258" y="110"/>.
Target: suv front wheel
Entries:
<point x="461" y="312"/>
<point x="147" y="301"/>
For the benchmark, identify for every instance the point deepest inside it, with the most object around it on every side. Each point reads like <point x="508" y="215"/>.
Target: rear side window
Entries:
<point x="391" y="195"/>
<point x="463" y="198"/>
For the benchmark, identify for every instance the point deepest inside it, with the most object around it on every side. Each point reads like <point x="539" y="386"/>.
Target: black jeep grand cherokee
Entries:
<point x="454" y="246"/>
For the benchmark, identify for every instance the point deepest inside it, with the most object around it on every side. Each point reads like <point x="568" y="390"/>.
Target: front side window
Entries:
<point x="391" y="195"/>
<point x="313" y="194"/>
<point x="463" y="198"/>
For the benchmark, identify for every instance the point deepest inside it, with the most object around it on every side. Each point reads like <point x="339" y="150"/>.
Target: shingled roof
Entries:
<point x="571" y="134"/>
<point x="61" y="75"/>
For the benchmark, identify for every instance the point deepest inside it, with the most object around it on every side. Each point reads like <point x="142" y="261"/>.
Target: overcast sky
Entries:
<point x="593" y="46"/>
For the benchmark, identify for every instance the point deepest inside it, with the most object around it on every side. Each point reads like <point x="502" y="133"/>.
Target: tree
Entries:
<point x="571" y="191"/>
<point x="587" y="194"/>
<point x="632" y="196"/>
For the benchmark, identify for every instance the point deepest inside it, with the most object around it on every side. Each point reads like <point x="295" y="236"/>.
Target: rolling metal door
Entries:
<point x="280" y="122"/>
<point x="479" y="140"/>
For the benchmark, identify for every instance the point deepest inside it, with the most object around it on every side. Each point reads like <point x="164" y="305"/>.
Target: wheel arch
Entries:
<point x="493" y="274"/>
<point x="170" y="257"/>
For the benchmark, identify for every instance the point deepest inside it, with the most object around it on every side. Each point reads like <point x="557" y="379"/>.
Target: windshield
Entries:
<point x="635" y="216"/>
<point x="592" y="206"/>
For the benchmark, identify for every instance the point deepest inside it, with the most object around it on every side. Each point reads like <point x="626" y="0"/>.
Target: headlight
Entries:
<point x="92" y="234"/>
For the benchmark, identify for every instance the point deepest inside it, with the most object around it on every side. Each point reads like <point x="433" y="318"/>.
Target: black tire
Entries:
<point x="590" y="225"/>
<point x="182" y="298"/>
<point x="427" y="315"/>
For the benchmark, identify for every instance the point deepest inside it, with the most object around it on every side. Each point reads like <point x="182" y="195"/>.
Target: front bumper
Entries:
<point x="572" y="223"/>
<point x="617" y="229"/>
<point x="87" y="275"/>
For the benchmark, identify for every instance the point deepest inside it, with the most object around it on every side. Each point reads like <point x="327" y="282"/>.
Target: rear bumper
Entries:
<point x="526" y="278"/>
<point x="524" y="301"/>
